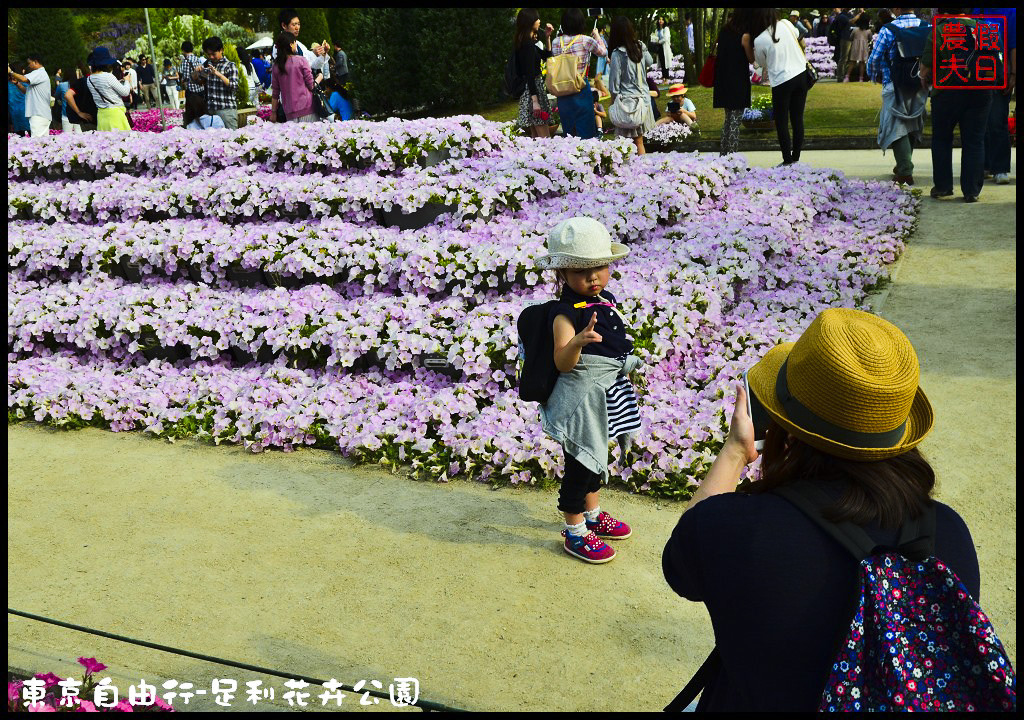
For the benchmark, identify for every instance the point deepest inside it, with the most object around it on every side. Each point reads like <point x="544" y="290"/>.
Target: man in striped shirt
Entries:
<point x="897" y="121"/>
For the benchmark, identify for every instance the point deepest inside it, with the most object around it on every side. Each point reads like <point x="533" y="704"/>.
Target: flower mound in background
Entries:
<point x="279" y="305"/>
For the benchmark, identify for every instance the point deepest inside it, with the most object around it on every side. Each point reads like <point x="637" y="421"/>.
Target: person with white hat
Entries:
<point x="842" y="415"/>
<point x="593" y="400"/>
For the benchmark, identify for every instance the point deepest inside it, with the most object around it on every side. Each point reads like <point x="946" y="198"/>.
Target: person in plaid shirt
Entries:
<point x="900" y="116"/>
<point x="189" y="64"/>
<point x="577" y="111"/>
<point x="220" y="76"/>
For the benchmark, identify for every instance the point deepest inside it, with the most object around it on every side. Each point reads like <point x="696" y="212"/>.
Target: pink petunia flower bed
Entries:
<point x="254" y="289"/>
<point x="47" y="692"/>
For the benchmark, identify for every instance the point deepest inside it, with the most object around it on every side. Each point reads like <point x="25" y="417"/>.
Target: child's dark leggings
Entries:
<point x="577" y="483"/>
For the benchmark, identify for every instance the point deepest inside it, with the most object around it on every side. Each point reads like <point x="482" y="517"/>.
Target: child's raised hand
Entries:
<point x="588" y="335"/>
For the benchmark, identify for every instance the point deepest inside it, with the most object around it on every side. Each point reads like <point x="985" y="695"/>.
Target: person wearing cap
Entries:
<point x="593" y="401"/>
<point x="816" y="28"/>
<point x="844" y="414"/>
<point x="680" y="109"/>
<point x="794" y="19"/>
<point x="108" y="93"/>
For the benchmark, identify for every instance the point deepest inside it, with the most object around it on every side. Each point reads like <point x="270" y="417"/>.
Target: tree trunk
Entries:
<point x="688" y="66"/>
<point x="698" y="39"/>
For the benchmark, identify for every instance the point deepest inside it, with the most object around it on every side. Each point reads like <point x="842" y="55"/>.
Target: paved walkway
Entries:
<point x="299" y="562"/>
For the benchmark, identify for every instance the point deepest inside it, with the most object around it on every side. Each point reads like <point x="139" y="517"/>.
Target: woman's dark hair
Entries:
<point x="283" y="43"/>
<point x="762" y="19"/>
<point x="333" y="85"/>
<point x="863" y="22"/>
<point x="573" y="22"/>
<point x="623" y="35"/>
<point x="525" y="21"/>
<point x="887" y="492"/>
<point x="741" y="20"/>
<point x="195" y="108"/>
<point x="661" y="22"/>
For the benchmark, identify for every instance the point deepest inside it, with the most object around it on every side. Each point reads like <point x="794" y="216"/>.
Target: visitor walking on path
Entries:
<point x="630" y="63"/>
<point x="577" y="111"/>
<point x="37" y="95"/>
<point x="169" y="80"/>
<point x="133" y="81"/>
<point x="859" y="48"/>
<point x="732" y="75"/>
<point x="189" y="64"/>
<point x="593" y="401"/>
<point x="902" y="113"/>
<point x="108" y="93"/>
<point x="291" y="82"/>
<point x="317" y="59"/>
<point x="220" y="79"/>
<point x="16" y="101"/>
<point x="663" y="44"/>
<point x="967" y="108"/>
<point x="534" y="109"/>
<point x="147" y="83"/>
<point x="82" y="110"/>
<point x="777" y="50"/>
<point x="997" y="133"/>
<point x="774" y="650"/>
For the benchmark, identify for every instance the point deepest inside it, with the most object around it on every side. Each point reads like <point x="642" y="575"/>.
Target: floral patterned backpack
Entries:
<point x="918" y="641"/>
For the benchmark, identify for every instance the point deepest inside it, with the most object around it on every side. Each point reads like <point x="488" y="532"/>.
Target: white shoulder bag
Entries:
<point x="628" y="112"/>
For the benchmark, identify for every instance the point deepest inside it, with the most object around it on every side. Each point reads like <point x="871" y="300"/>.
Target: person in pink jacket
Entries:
<point x="291" y="83"/>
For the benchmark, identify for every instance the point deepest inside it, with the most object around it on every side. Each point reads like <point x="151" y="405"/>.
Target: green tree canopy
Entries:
<point x="51" y="33"/>
<point x="314" y="26"/>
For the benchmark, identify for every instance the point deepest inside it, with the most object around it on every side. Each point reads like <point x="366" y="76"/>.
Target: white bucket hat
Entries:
<point x="580" y="242"/>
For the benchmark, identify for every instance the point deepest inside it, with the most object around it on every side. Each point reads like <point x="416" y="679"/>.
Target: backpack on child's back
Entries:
<point x="537" y="373"/>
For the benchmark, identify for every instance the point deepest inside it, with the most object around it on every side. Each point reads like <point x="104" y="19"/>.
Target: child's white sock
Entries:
<point x="578" y="530"/>
<point x="592" y="515"/>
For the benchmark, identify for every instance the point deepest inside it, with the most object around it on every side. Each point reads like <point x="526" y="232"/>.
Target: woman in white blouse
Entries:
<point x="777" y="49"/>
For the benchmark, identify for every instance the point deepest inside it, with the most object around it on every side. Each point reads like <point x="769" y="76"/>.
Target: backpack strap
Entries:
<point x="697" y="683"/>
<point x="916" y="539"/>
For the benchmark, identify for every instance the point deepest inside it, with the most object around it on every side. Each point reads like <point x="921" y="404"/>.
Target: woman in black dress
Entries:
<point x="534" y="109"/>
<point x="732" y="76"/>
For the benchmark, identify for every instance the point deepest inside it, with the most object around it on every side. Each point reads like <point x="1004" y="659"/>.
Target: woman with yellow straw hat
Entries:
<point x="844" y="414"/>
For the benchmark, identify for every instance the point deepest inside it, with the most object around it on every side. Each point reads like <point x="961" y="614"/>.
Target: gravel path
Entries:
<point x="304" y="563"/>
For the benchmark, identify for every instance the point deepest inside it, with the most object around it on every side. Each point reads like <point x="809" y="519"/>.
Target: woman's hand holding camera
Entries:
<point x="740" y="441"/>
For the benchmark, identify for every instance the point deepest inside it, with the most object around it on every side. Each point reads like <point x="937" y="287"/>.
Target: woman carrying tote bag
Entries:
<point x="630" y="111"/>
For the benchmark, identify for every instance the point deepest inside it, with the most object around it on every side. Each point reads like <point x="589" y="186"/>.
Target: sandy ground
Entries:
<point x="303" y="563"/>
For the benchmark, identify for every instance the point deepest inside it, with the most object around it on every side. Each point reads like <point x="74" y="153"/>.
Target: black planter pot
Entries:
<point x="131" y="271"/>
<point x="83" y="173"/>
<point x="435" y="157"/>
<point x="195" y="271"/>
<point x="240" y="356"/>
<point x="416" y="219"/>
<point x="244" y="276"/>
<point x="276" y="279"/>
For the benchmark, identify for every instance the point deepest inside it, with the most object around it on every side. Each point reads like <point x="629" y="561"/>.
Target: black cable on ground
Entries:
<point x="425" y="705"/>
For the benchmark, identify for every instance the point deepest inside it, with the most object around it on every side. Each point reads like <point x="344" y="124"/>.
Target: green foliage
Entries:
<point x="314" y="27"/>
<point x="405" y="59"/>
<point x="37" y="31"/>
<point x="341" y="22"/>
<point x="242" y="92"/>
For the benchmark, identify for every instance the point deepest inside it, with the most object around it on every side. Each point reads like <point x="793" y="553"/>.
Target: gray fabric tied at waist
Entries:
<point x="576" y="414"/>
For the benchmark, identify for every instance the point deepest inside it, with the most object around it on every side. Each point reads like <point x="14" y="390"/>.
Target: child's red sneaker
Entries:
<point x="589" y="548"/>
<point x="608" y="527"/>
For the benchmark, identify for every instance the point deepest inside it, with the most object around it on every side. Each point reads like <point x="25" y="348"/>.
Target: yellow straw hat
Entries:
<point x="848" y="386"/>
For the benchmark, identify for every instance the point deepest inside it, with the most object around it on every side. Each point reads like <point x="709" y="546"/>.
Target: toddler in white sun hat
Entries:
<point x="592" y="400"/>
